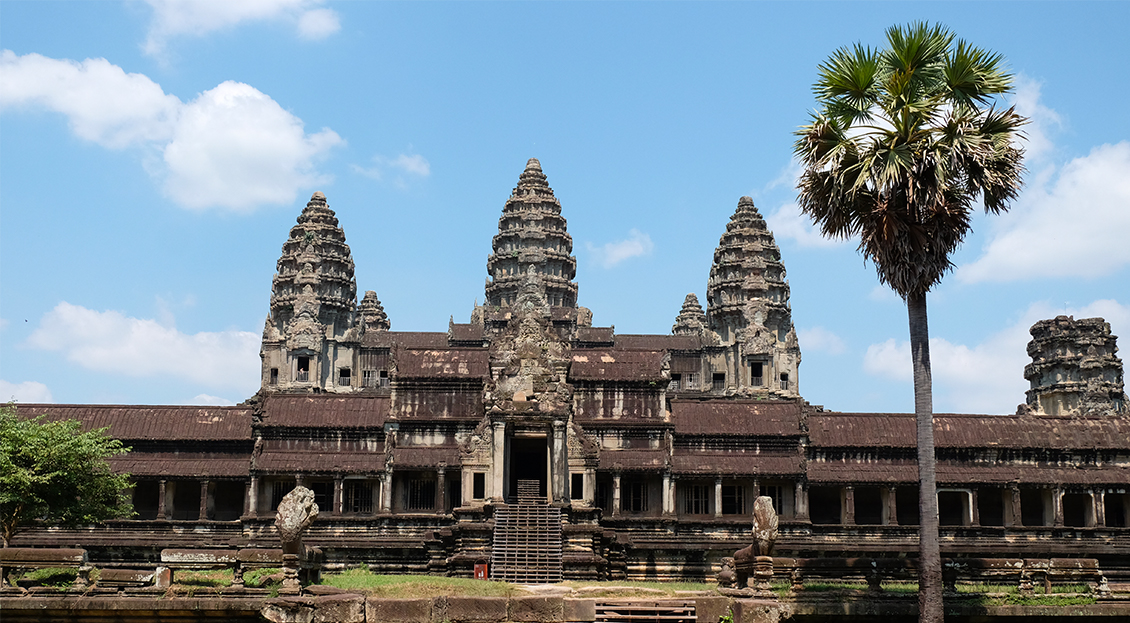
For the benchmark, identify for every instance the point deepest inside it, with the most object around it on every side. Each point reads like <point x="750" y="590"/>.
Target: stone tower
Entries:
<point x="747" y="301"/>
<point x="1074" y="370"/>
<point x="532" y="241"/>
<point x="315" y="322"/>
<point x="691" y="319"/>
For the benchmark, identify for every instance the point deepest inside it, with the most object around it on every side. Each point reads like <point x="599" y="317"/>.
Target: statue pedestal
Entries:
<point x="762" y="574"/>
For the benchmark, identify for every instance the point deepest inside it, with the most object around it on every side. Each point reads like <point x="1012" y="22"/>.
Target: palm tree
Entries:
<point x="904" y="142"/>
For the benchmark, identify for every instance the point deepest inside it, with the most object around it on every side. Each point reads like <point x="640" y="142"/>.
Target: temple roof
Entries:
<point x="142" y="422"/>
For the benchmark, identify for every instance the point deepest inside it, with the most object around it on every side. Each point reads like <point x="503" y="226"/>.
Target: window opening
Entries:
<point x="357" y="497"/>
<point x="303" y="369"/>
<point x="421" y="494"/>
<point x="756" y="374"/>
<point x="384" y="378"/>
<point x="576" y="486"/>
<point x="344" y="377"/>
<point x="369" y="378"/>
<point x="718" y="382"/>
<point x="274" y="376"/>
<point x="773" y="492"/>
<point x="733" y="500"/>
<point x="676" y="380"/>
<point x="637" y="496"/>
<point x="697" y="500"/>
<point x="478" y="485"/>
<point x="279" y="489"/>
<point x="784" y="381"/>
<point x="691" y="379"/>
<point x="323" y="495"/>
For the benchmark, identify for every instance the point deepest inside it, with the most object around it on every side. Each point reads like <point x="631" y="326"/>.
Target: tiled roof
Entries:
<point x="152" y="422"/>
<point x="658" y="342"/>
<point x="599" y="335"/>
<point x="466" y="332"/>
<point x="764" y="464"/>
<point x="443" y="363"/>
<point x="948" y="473"/>
<point x="616" y="365"/>
<point x="182" y="464"/>
<point x="968" y="431"/>
<point x="296" y="461"/>
<point x="325" y="411"/>
<point x="425" y="457"/>
<point x="634" y="460"/>
<point x="736" y="417"/>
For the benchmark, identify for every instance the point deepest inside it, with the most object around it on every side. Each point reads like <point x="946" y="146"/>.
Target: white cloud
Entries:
<point x="612" y="253"/>
<point x="787" y="222"/>
<point x="113" y="343"/>
<point x="986" y="377"/>
<point x="1071" y="224"/>
<point x="397" y="169"/>
<point x="28" y="391"/>
<point x="231" y="147"/>
<point x="883" y="294"/>
<point x="819" y="339"/>
<point x="1042" y="121"/>
<point x="211" y="401"/>
<point x="318" y="24"/>
<point x="173" y="18"/>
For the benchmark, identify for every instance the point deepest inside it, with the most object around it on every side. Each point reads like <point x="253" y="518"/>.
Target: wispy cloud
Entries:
<point x="232" y="147"/>
<point x="196" y="18"/>
<point x="211" y="401"/>
<point x="788" y="223"/>
<point x="110" y="342"/>
<point x="819" y="339"/>
<point x="986" y="377"/>
<point x="398" y="170"/>
<point x="27" y="391"/>
<point x="610" y="254"/>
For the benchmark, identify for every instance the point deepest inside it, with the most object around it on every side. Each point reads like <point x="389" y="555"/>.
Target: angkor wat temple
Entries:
<point x="551" y="448"/>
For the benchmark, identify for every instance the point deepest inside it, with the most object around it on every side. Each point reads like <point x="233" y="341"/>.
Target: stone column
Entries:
<point x="590" y="486"/>
<point x="162" y="509"/>
<point x="1057" y="507"/>
<point x="667" y="493"/>
<point x="253" y="497"/>
<point x="800" y="493"/>
<point x="718" y="496"/>
<point x="339" y="499"/>
<point x="559" y="467"/>
<point x="892" y="506"/>
<point x="386" y="492"/>
<point x="615" y="495"/>
<point x="441" y="484"/>
<point x="1098" y="500"/>
<point x="975" y="511"/>
<point x="498" y="459"/>
<point x="203" y="501"/>
<point x="849" y="506"/>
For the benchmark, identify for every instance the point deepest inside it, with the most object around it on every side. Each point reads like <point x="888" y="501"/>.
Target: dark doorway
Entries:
<point x="1077" y="510"/>
<point x="1032" y="507"/>
<point x="906" y="503"/>
<point x="186" y="500"/>
<point x="145" y="499"/>
<point x="990" y="506"/>
<point x="824" y="505"/>
<point x="527" y="462"/>
<point x="868" y="506"/>
<point x="951" y="508"/>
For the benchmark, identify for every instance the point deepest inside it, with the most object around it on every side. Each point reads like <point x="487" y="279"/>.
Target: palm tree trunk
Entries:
<point x="929" y="556"/>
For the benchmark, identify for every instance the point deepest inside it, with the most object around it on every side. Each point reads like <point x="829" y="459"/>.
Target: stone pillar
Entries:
<point x="253" y="497"/>
<point x="386" y="492"/>
<point x="849" y="506"/>
<point x="590" y="486"/>
<point x="203" y="500"/>
<point x="339" y="498"/>
<point x="1057" y="507"/>
<point x="1098" y="500"/>
<point x="801" y="498"/>
<point x="892" y="506"/>
<point x="718" y="496"/>
<point x="975" y="512"/>
<point x="559" y="465"/>
<point x="441" y="485"/>
<point x="498" y="457"/>
<point x="615" y="495"/>
<point x="667" y="493"/>
<point x="162" y="507"/>
<point x="1012" y="516"/>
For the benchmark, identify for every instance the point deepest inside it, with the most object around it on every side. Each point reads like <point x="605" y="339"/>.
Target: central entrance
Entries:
<point x="529" y="460"/>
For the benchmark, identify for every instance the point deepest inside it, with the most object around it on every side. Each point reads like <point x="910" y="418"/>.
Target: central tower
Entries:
<point x="532" y="240"/>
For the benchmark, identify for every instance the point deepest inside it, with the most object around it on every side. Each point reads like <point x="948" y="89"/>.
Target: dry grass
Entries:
<point x="414" y="586"/>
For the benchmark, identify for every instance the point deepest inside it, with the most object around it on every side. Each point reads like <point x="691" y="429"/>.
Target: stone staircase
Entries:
<point x="527" y="539"/>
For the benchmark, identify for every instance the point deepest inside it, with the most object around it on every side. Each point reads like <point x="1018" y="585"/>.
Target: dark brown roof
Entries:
<point x="183" y="464"/>
<point x="425" y="457"/>
<point x="634" y="460"/>
<point x="736" y="417"/>
<point x="948" y="473"/>
<point x="298" y="461"/>
<point x="658" y="342"/>
<point x="443" y="363"/>
<point x="325" y="411"/>
<point x="466" y="332"/>
<point x="419" y="339"/>
<point x="968" y="431"/>
<point x="129" y="422"/>
<point x="768" y="464"/>
<point x="617" y="365"/>
<point x="598" y="335"/>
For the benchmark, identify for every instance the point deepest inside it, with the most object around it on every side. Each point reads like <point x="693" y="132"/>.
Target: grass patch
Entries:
<point x="260" y="578"/>
<point x="53" y="577"/>
<point x="414" y="586"/>
<point x="1016" y="599"/>
<point x="210" y="578"/>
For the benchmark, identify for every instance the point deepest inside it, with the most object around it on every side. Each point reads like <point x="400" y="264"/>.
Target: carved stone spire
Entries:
<point x="1074" y="369"/>
<point x="748" y="301"/>
<point x="372" y="313"/>
<point x="691" y="320"/>
<point x="315" y="256"/>
<point x="532" y="241"/>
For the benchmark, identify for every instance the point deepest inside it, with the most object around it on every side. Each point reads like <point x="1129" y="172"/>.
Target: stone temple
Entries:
<point x="631" y="456"/>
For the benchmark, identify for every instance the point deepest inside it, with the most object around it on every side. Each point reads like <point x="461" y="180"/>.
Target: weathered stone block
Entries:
<point x="710" y="609"/>
<point x="127" y="577"/>
<point x="398" y="610"/>
<point x="539" y="609"/>
<point x="345" y="608"/>
<point x="758" y="611"/>
<point x="289" y="610"/>
<point x="579" y="610"/>
<point x="476" y="609"/>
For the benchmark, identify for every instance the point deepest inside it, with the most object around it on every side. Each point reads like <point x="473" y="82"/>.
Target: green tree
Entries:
<point x="904" y="142"/>
<point x="55" y="472"/>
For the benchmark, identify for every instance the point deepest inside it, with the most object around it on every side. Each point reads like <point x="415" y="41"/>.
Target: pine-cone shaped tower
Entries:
<point x="372" y="313"/>
<point x="1074" y="369"/>
<point x="315" y="255"/>
<point x="532" y="239"/>
<point x="691" y="319"/>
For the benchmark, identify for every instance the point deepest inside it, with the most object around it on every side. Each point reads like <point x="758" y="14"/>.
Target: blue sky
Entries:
<point x="154" y="155"/>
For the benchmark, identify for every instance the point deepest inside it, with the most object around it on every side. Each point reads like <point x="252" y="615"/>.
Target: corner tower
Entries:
<point x="1074" y="369"/>
<point x="747" y="300"/>
<point x="532" y="240"/>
